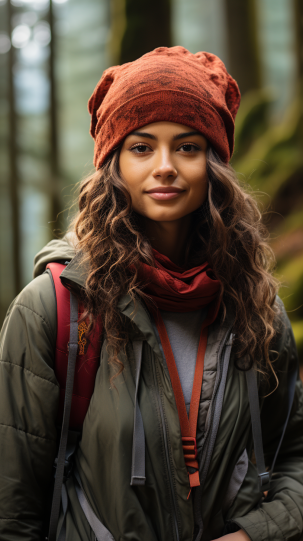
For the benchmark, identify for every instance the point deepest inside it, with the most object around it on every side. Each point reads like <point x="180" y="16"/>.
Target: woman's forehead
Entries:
<point x="171" y="129"/>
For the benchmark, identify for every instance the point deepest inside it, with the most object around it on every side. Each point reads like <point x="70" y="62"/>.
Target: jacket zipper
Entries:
<point x="211" y="431"/>
<point x="174" y="514"/>
<point x="164" y="431"/>
<point x="213" y="421"/>
<point x="212" y="428"/>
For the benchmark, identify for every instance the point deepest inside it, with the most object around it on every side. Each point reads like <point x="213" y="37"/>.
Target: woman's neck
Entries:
<point x="169" y="238"/>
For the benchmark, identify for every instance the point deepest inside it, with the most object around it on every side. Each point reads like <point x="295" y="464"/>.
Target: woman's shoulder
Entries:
<point x="39" y="298"/>
<point x="28" y="334"/>
<point x="36" y="302"/>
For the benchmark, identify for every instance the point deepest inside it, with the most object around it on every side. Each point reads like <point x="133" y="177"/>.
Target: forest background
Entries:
<point x="53" y="52"/>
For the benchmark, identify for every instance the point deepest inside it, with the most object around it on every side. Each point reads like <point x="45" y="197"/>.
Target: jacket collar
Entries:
<point x="76" y="271"/>
<point x="136" y="312"/>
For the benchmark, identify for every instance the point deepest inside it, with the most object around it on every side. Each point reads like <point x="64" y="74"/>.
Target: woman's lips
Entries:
<point x="164" y="195"/>
<point x="165" y="192"/>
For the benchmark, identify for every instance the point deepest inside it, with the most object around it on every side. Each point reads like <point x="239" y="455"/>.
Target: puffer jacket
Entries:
<point x="160" y="510"/>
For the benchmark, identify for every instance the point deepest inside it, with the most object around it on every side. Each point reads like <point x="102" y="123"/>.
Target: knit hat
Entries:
<point x="167" y="84"/>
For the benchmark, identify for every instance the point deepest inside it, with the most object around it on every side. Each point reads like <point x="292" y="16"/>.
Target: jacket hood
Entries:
<point x="62" y="250"/>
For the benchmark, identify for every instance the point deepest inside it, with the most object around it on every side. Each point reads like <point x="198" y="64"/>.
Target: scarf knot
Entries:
<point x="177" y="290"/>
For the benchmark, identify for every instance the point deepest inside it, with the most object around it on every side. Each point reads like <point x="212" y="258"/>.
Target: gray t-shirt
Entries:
<point x="183" y="329"/>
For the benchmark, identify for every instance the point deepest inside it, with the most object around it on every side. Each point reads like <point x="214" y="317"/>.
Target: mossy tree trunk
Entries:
<point x="243" y="49"/>
<point x="147" y="26"/>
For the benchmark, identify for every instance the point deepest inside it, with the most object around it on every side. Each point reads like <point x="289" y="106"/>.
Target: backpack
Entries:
<point x="88" y="354"/>
<point x="76" y="365"/>
<point x="76" y="387"/>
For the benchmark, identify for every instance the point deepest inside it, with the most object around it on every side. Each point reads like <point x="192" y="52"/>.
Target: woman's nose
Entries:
<point x="164" y="168"/>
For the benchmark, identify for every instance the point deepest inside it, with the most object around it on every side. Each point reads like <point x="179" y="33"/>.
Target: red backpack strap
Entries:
<point x="88" y="356"/>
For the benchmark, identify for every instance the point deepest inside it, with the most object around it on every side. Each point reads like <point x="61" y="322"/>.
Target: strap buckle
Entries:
<point x="189" y="445"/>
<point x="264" y="480"/>
<point x="68" y="468"/>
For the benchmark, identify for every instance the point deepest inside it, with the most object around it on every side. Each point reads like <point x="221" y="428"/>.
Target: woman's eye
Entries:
<point x="189" y="147"/>
<point x="140" y="149"/>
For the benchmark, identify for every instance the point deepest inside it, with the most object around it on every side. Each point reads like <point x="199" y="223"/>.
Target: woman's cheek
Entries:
<point x="199" y="191"/>
<point x="138" y="203"/>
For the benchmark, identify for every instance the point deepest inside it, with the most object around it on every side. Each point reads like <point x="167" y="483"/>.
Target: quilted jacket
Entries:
<point x="230" y="496"/>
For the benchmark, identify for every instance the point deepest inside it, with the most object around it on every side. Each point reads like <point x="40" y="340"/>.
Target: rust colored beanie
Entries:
<point x="167" y="84"/>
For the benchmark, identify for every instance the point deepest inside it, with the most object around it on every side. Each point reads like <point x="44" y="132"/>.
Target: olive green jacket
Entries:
<point x="160" y="510"/>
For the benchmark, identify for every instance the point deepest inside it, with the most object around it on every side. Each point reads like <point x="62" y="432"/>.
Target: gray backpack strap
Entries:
<point x="101" y="533"/>
<point x="138" y="458"/>
<point x="138" y="451"/>
<point x="72" y="356"/>
<point x="252" y="385"/>
<point x="64" y="498"/>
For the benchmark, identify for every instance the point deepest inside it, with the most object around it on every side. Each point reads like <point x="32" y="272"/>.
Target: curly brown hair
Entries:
<point x="227" y="232"/>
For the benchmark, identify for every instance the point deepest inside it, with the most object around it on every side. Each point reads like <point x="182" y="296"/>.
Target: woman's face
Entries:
<point x="164" y="167"/>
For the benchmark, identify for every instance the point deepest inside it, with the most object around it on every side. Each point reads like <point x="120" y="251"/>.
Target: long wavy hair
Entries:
<point x="227" y="232"/>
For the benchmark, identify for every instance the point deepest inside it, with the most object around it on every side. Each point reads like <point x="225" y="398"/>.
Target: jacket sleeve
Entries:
<point x="29" y="395"/>
<point x="280" y="516"/>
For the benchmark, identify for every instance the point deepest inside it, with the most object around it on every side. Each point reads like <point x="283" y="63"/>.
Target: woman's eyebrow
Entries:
<point x="143" y="134"/>
<point x="186" y="134"/>
<point x="178" y="136"/>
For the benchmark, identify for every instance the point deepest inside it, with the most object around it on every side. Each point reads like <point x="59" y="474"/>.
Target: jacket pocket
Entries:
<point x="236" y="480"/>
<point x="248" y="496"/>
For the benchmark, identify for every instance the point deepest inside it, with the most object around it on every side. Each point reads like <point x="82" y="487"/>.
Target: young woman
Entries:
<point x="170" y="257"/>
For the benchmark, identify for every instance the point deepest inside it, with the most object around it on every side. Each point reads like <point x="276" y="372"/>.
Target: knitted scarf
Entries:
<point x="177" y="290"/>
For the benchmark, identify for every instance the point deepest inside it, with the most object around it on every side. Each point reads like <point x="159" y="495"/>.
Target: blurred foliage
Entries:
<point x="269" y="156"/>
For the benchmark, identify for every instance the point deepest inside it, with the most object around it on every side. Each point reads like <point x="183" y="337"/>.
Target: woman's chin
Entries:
<point x="165" y="217"/>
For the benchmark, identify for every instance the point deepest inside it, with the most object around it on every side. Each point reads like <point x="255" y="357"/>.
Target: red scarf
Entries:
<point x="177" y="290"/>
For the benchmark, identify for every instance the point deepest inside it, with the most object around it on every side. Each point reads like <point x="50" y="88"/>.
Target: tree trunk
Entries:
<point x="298" y="17"/>
<point x="14" y="180"/>
<point x="53" y="117"/>
<point x="147" y="26"/>
<point x="243" y="50"/>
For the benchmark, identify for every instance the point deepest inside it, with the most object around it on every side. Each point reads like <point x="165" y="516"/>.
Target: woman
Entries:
<point x="169" y="254"/>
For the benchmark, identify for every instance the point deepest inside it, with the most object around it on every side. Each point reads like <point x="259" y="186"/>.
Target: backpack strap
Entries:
<point x="252" y="385"/>
<point x="138" y="460"/>
<point x="72" y="356"/>
<point x="188" y="423"/>
<point x="64" y="499"/>
<point x="88" y="356"/>
<point x="138" y="451"/>
<point x="101" y="533"/>
<point x="264" y="476"/>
